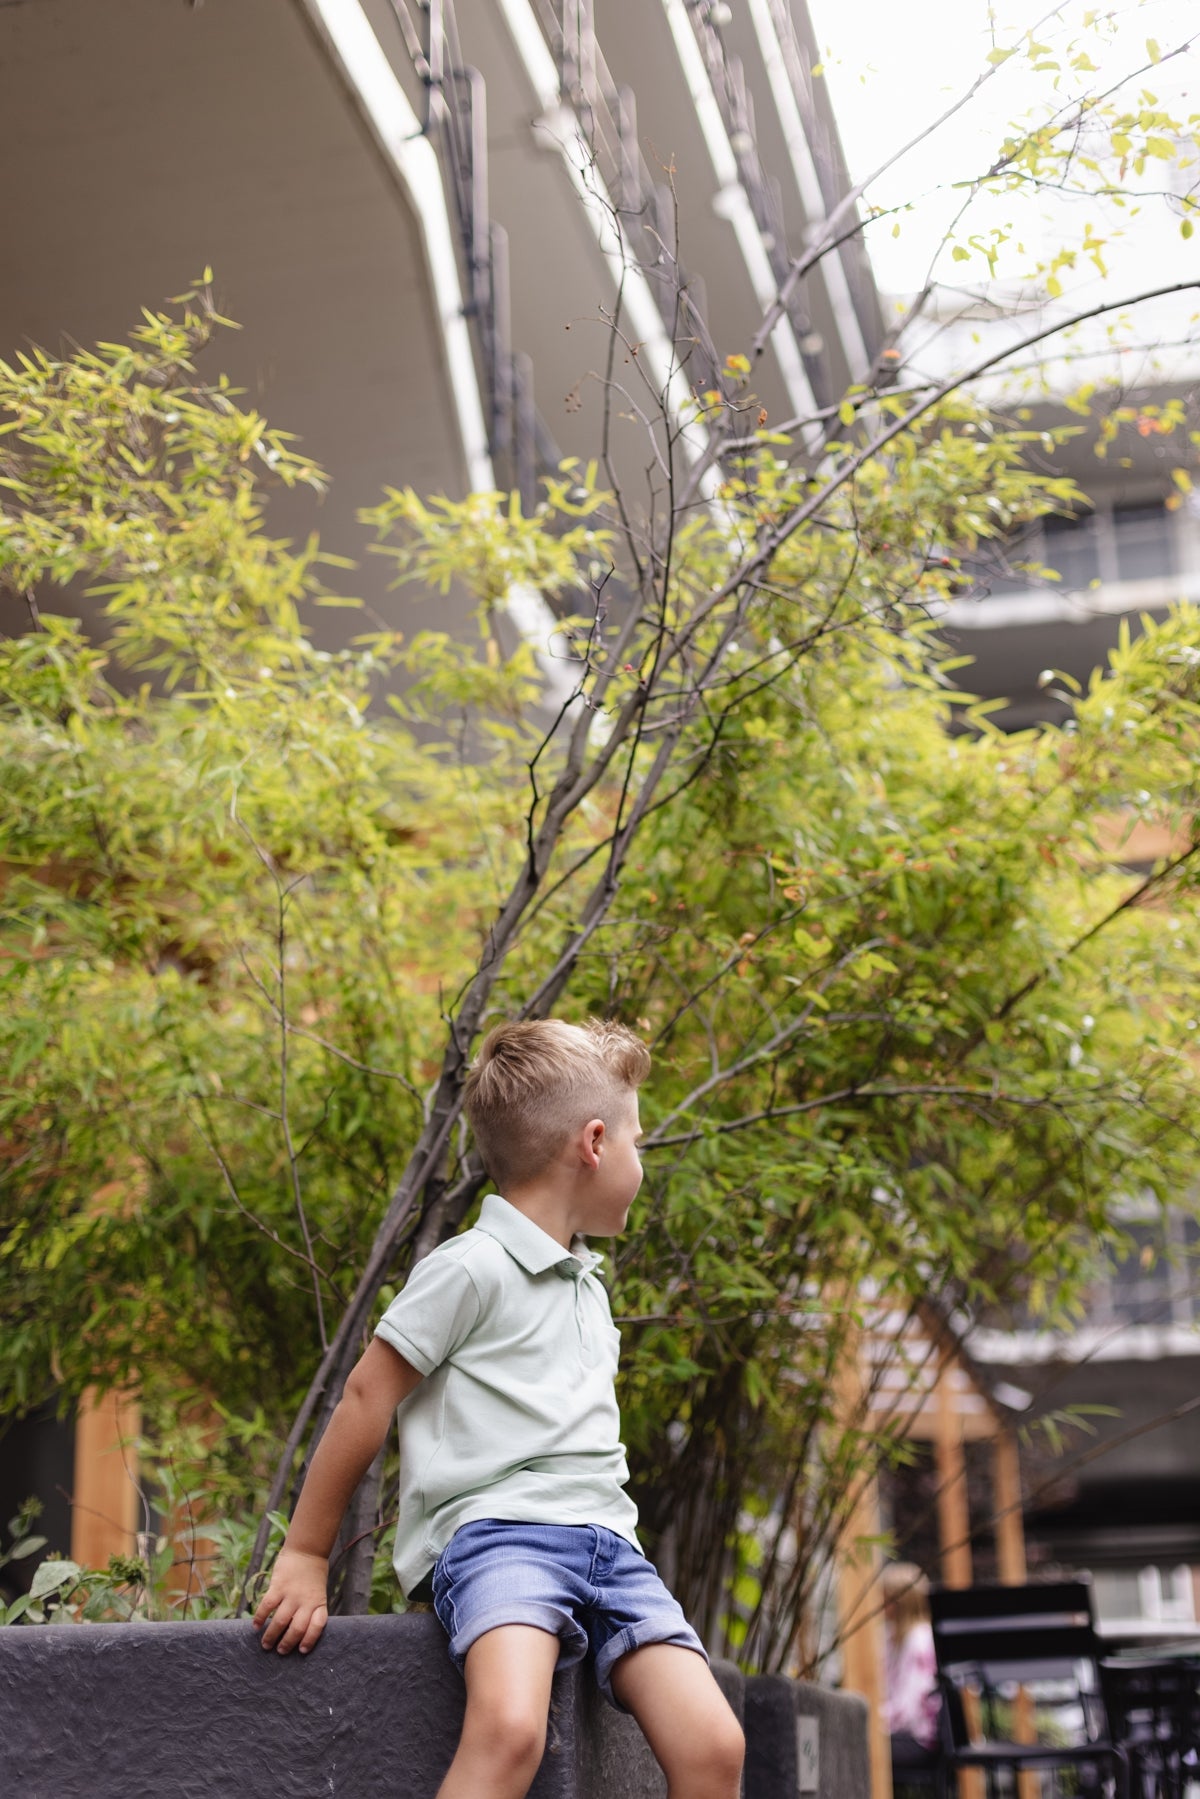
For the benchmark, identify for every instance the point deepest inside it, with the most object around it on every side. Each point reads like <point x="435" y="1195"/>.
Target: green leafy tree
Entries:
<point x="913" y="1026"/>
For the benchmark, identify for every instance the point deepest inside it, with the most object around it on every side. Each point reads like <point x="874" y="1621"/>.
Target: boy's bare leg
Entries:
<point x="508" y="1673"/>
<point x="686" y="1719"/>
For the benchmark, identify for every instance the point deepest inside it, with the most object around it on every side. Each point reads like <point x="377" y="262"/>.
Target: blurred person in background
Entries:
<point x="911" y="1700"/>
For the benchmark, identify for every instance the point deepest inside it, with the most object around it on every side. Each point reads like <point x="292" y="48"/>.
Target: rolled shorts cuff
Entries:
<point x="640" y="1636"/>
<point x="572" y="1638"/>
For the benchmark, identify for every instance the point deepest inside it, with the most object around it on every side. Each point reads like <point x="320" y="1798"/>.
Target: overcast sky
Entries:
<point x="893" y="65"/>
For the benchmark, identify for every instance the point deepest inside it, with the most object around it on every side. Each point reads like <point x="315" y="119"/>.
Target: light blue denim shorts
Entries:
<point x="584" y="1584"/>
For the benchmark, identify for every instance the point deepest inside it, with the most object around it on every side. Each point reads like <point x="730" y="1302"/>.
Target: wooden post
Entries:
<point x="185" y="1525"/>
<point x="863" y="1647"/>
<point x="859" y="1593"/>
<point x="954" y="1527"/>
<point x="105" y="1510"/>
<point x="106" y="1513"/>
<point x="954" y="1516"/>
<point x="1010" y="1524"/>
<point x="1010" y="1559"/>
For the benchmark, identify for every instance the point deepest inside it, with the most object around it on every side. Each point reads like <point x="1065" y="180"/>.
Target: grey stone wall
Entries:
<point x="803" y="1739"/>
<point x="835" y="1724"/>
<point x="198" y="1711"/>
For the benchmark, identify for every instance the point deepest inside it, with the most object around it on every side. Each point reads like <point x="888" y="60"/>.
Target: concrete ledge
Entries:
<point x="771" y="1749"/>
<point x="836" y="1724"/>
<point x="198" y="1711"/>
<point x="805" y="1740"/>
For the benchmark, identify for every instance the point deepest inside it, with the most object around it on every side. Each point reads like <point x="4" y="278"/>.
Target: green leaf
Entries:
<point x="27" y="1546"/>
<point x="51" y="1576"/>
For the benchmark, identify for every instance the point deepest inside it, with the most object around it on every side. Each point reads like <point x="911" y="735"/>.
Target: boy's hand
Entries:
<point x="296" y="1602"/>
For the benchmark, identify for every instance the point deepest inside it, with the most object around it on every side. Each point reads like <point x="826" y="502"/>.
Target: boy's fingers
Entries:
<point x="312" y="1635"/>
<point x="275" y="1629"/>
<point x="265" y="1607"/>
<point x="300" y="1620"/>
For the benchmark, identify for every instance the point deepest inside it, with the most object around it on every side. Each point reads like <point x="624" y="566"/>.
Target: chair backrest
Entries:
<point x="994" y="1625"/>
<point x="1003" y="1647"/>
<point x="1153" y="1699"/>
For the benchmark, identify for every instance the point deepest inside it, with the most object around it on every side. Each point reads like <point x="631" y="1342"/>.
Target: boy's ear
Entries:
<point x="592" y="1141"/>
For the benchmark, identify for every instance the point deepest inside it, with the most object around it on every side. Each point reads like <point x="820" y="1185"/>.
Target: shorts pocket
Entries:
<point x="443" y="1606"/>
<point x="443" y="1574"/>
<point x="443" y="1590"/>
<point x="449" y="1564"/>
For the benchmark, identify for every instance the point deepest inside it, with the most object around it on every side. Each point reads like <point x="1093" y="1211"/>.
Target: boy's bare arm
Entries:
<point x="296" y="1600"/>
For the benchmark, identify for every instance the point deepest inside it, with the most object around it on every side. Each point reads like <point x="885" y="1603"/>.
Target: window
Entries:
<point x="1121" y="541"/>
<point x="1118" y="1594"/>
<point x="1145" y="547"/>
<point x="1072" y="547"/>
<point x="1156" y="1280"/>
<point x="1149" y="1595"/>
<point x="995" y="565"/>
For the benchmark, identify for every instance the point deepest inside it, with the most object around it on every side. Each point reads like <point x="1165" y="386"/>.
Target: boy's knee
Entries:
<point x="512" y="1733"/>
<point x="727" y="1748"/>
<point x="715" y="1754"/>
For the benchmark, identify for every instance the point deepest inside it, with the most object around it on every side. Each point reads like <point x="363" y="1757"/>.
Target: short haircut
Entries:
<point x="533" y="1084"/>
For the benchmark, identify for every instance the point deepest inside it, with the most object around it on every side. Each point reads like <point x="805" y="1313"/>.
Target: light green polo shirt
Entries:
<point x="516" y="1417"/>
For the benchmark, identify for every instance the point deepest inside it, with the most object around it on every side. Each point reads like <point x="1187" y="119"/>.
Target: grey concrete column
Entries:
<point x="804" y="1742"/>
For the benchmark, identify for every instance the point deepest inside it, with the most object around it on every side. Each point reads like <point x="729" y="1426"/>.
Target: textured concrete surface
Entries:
<point x="844" y="1760"/>
<point x="198" y="1711"/>
<point x="777" y="1712"/>
<point x="770" y="1724"/>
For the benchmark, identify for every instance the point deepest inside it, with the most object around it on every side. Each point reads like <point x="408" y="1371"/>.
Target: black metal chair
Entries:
<point x="1023" y="1660"/>
<point x="1153" y="1706"/>
<point x="916" y="1781"/>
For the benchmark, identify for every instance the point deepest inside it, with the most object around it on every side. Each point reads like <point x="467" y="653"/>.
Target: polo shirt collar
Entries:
<point x="527" y="1243"/>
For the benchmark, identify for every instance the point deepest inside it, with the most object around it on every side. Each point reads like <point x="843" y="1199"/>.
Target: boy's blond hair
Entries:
<point x="532" y="1084"/>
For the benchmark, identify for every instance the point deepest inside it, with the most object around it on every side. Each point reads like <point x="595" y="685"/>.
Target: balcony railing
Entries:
<point x="727" y="78"/>
<point x="456" y="122"/>
<point x="643" y="204"/>
<point x="792" y="27"/>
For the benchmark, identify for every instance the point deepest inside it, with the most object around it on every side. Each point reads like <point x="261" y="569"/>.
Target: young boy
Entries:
<point x="500" y="1354"/>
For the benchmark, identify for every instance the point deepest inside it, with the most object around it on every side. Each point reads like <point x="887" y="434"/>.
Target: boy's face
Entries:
<point x="614" y="1185"/>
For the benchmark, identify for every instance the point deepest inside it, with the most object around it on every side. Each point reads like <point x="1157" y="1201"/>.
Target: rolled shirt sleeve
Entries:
<point x="434" y="1314"/>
